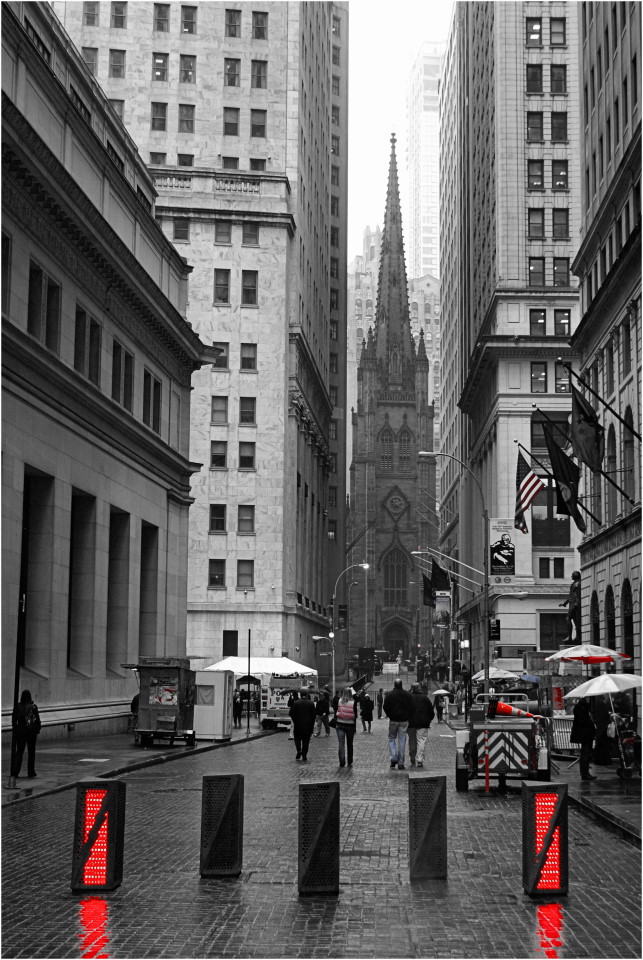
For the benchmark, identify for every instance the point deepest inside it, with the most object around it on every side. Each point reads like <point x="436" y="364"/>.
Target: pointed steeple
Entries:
<point x="395" y="348"/>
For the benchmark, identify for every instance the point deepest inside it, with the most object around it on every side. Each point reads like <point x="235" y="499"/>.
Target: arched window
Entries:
<point x="627" y="625"/>
<point x="404" y="450"/>
<point x="629" y="479"/>
<point x="597" y="501"/>
<point x="595" y="619"/>
<point x="610" y="618"/>
<point x="395" y="579"/>
<point x="386" y="449"/>
<point x="360" y="334"/>
<point x="612" y="507"/>
<point x="369" y="305"/>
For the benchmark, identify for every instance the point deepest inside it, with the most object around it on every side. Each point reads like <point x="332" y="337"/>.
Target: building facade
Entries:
<point x="608" y="337"/>
<point x="509" y="310"/>
<point x="97" y="368"/>
<point x="241" y="113"/>
<point x="392" y="424"/>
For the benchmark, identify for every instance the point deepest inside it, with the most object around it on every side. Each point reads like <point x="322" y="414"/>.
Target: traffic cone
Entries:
<point x="505" y="709"/>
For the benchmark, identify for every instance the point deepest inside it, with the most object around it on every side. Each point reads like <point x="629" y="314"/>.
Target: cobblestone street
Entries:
<point x="164" y="909"/>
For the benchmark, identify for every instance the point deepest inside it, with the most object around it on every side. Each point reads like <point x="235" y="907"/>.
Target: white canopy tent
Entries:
<point x="263" y="667"/>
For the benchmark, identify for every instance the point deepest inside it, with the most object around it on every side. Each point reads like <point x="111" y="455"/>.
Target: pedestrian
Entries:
<point x="236" y="709"/>
<point x="380" y="702"/>
<point x="291" y="699"/>
<point x="397" y="707"/>
<point x="366" y="713"/>
<point x="583" y="731"/>
<point x="322" y="711"/>
<point x="257" y="703"/>
<point x="422" y="715"/>
<point x="438" y="703"/>
<point x="346" y="717"/>
<point x="25" y="721"/>
<point x="302" y="713"/>
<point x="133" y="724"/>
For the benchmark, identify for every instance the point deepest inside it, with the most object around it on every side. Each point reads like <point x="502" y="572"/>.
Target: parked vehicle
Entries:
<point x="276" y="696"/>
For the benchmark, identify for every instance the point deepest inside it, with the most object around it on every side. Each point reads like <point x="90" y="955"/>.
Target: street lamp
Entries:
<point x="485" y="559"/>
<point x="331" y="640"/>
<point x="364" y="566"/>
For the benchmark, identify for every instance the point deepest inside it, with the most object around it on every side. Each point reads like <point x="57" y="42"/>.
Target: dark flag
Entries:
<point x="527" y="486"/>
<point x="566" y="475"/>
<point x="439" y="577"/>
<point x="587" y="434"/>
<point x="428" y="597"/>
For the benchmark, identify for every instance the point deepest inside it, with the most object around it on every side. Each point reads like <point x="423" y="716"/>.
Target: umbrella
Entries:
<point x="496" y="673"/>
<point x="607" y="683"/>
<point x="441" y="692"/>
<point x="530" y="678"/>
<point x="588" y="653"/>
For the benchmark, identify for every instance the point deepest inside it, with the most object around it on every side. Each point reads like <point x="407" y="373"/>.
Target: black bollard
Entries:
<point x="318" y="838"/>
<point x="427" y="828"/>
<point x="222" y="826"/>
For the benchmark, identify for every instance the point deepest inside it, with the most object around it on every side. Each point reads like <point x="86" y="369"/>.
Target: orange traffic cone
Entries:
<point x="508" y="711"/>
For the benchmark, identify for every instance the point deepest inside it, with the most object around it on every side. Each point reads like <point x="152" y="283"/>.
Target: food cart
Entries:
<point x="166" y="700"/>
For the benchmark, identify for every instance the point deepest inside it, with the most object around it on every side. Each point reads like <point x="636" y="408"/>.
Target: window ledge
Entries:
<point x="247" y="424"/>
<point x="219" y="423"/>
<point x="246" y="533"/>
<point x="217" y="533"/>
<point x="216" y="303"/>
<point x="219" y="469"/>
<point x="249" y="306"/>
<point x="213" y="587"/>
<point x="244" y="370"/>
<point x="247" y="469"/>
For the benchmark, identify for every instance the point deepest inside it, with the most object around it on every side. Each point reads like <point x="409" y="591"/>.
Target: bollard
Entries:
<point x="318" y="838"/>
<point x="544" y="838"/>
<point x="222" y="826"/>
<point x="427" y="828"/>
<point x="99" y="836"/>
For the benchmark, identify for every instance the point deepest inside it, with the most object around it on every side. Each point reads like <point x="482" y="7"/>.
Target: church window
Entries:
<point x="395" y="579"/>
<point x="386" y="450"/>
<point x="405" y="451"/>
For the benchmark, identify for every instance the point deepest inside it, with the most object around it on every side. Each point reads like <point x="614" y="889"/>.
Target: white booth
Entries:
<point x="213" y="705"/>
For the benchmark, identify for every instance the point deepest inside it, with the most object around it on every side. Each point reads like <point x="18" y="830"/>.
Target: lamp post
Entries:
<point x="333" y="625"/>
<point x="485" y="559"/>
<point x="331" y="640"/>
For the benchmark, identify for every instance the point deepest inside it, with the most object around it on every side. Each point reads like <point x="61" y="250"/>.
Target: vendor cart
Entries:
<point x="166" y="701"/>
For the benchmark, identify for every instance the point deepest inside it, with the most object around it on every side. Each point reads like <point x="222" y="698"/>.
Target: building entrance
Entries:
<point x="396" y="638"/>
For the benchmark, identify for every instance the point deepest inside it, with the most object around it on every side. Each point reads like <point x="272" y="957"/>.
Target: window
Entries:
<point x="336" y="56"/>
<point x="609" y="368"/>
<point x="162" y="17"/>
<point x="249" y="287"/>
<point x="336" y="27"/>
<point x="247" y="410"/>
<point x="395" y="579"/>
<point x="332" y="529"/>
<point x="6" y="270"/>
<point x="250" y="234"/>
<point x="87" y="346"/>
<point x="534" y="32"/>
<point x="231" y="72"/>
<point x="334" y="206"/>
<point x="553" y="629"/>
<point x="560" y="223"/>
<point x="217" y="518"/>
<point x="332" y="431"/>
<point x="158" y="159"/>
<point x="559" y="433"/>
<point x="219" y="409"/>
<point x="334" y="146"/>
<point x="221" y="361"/>
<point x="90" y="14"/>
<point x="332" y="496"/>
<point x="188" y="19"/>
<point x="561" y="379"/>
<point x="539" y="378"/>
<point x="335" y="86"/>
<point x="558" y="78"/>
<point x="537" y="323"/>
<point x="625" y="104"/>
<point x="626" y="346"/>
<point x="617" y="123"/>
<point x="543" y="568"/>
<point x="119" y="16"/>
<point x="558" y="126"/>
<point x="557" y="32"/>
<point x="599" y="69"/>
<point x="332" y="392"/>
<point x="187" y="69"/>
<point x="536" y="271"/>
<point x="334" y="298"/>
<point x="122" y="376"/>
<point x="629" y="461"/>
<point x="404" y="451"/>
<point x="159" y="116"/>
<point x="181" y="228"/>
<point x="600" y="158"/>
<point x="245" y="574"/>
<point x="608" y="139"/>
<point x="535" y="175"/>
<point x="159" y="66"/>
<point x="334" y="267"/>
<point x="117" y="106"/>
<point x="534" y="78"/>
<point x="90" y="56"/>
<point x="258" y="123"/>
<point x="216" y="573"/>
<point x="559" y="568"/>
<point x="248" y="356"/>
<point x="549" y="529"/>
<point x="231" y="121"/>
<point x="151" y="401"/>
<point x="333" y="363"/>
<point x="536" y="223"/>
<point x="333" y="330"/>
<point x="245" y="518"/>
<point x="334" y="115"/>
<point x="259" y="74"/>
<point x="247" y="456"/>
<point x="258" y="165"/>
<point x="218" y="454"/>
<point x="117" y="64"/>
<point x="185" y="159"/>
<point x="334" y="236"/>
<point x="332" y="465"/>
<point x="559" y="174"/>
<point x="43" y="311"/>
<point x="562" y="322"/>
<point x="259" y="26"/>
<point x="222" y="286"/>
<point x="635" y="82"/>
<point x="561" y="271"/>
<point x="186" y="118"/>
<point x="334" y="176"/>
<point x="233" y="23"/>
<point x="222" y="232"/>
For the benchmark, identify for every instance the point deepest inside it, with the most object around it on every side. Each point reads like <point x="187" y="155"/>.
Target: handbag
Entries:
<point x="333" y="722"/>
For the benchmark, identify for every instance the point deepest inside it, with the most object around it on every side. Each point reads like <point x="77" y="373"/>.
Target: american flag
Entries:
<point x="527" y="486"/>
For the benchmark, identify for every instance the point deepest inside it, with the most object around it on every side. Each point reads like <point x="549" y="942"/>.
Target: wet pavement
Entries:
<point x="164" y="909"/>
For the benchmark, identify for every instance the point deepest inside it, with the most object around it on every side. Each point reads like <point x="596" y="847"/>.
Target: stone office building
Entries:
<point x="97" y="366"/>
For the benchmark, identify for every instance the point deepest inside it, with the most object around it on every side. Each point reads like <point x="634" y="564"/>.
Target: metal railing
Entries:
<point x="561" y="729"/>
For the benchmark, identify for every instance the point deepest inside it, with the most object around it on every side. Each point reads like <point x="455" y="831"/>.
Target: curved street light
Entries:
<point x="332" y="632"/>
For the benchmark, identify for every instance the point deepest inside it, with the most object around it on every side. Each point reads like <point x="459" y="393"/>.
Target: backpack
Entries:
<point x="31" y="718"/>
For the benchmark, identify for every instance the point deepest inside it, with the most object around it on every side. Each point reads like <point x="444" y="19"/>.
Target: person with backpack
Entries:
<point x="25" y="721"/>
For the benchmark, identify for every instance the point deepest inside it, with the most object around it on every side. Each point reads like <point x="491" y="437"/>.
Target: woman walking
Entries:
<point x="366" y="713"/>
<point x="26" y="724"/>
<point x="346" y="717"/>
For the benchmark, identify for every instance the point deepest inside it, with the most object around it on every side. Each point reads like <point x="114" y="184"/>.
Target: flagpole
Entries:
<point x="552" y="477"/>
<point x="599" y="398"/>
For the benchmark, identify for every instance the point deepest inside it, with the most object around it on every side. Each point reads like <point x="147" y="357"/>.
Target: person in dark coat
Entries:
<point x="438" y="703"/>
<point x="397" y="707"/>
<point x="380" y="702"/>
<point x="422" y="715"/>
<point x="583" y="731"/>
<point x="25" y="721"/>
<point x="302" y="713"/>
<point x="366" y="713"/>
<point x="322" y="711"/>
<point x="236" y="709"/>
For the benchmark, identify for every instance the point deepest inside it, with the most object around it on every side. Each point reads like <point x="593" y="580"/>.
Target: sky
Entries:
<point x="384" y="37"/>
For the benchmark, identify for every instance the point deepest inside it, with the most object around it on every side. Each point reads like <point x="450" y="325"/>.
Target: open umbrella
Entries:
<point x="496" y="673"/>
<point x="608" y="683"/>
<point x="441" y="692"/>
<point x="588" y="653"/>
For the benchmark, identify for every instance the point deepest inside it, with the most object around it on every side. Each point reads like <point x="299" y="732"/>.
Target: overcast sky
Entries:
<point x="385" y="37"/>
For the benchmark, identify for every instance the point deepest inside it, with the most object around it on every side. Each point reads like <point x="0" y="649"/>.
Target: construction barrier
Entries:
<point x="221" y="826"/>
<point x="99" y="836"/>
<point x="427" y="828"/>
<point x="561" y="729"/>
<point x="318" y="838"/>
<point x="544" y="839"/>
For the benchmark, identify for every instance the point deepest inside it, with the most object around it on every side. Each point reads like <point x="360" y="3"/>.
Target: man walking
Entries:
<point x="397" y="707"/>
<point x="322" y="709"/>
<point x="302" y="713"/>
<point x="422" y="714"/>
<point x="380" y="702"/>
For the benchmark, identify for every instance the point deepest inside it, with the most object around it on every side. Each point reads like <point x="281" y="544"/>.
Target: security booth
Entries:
<point x="213" y="704"/>
<point x="166" y="701"/>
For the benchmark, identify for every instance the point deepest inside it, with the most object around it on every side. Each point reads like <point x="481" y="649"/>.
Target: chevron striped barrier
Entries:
<point x="507" y="750"/>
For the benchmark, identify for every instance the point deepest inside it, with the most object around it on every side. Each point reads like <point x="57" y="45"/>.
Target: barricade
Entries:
<point x="544" y="839"/>
<point x="427" y="828"/>
<point x="561" y="729"/>
<point x="99" y="836"/>
<point x="318" y="838"/>
<point x="222" y="826"/>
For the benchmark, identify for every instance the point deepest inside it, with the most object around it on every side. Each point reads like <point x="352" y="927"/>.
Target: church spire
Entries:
<point x="395" y="347"/>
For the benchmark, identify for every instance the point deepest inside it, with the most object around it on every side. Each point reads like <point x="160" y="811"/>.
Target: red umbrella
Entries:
<point x="589" y="653"/>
